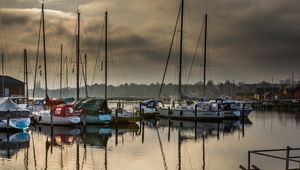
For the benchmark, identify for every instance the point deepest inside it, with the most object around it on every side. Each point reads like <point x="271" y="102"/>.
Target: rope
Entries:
<point x="195" y="53"/>
<point x="169" y="54"/>
<point x="97" y="57"/>
<point x="37" y="58"/>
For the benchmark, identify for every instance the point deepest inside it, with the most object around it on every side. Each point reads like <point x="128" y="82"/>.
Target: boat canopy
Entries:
<point x="151" y="103"/>
<point x="53" y="102"/>
<point x="6" y="104"/>
<point x="92" y="106"/>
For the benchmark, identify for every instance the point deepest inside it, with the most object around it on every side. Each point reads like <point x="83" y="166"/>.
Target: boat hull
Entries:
<point x="188" y="114"/>
<point x="96" y="118"/>
<point x="44" y="117"/>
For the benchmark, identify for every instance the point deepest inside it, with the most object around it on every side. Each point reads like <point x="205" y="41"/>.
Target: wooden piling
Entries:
<point x="141" y="111"/>
<point x="287" y="162"/>
<point x="218" y="110"/>
<point x="243" y="111"/>
<point x="51" y="116"/>
<point x="7" y="119"/>
<point x="196" y="112"/>
<point x="116" y="117"/>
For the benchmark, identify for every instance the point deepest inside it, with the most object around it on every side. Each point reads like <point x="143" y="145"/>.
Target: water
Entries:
<point x="156" y="144"/>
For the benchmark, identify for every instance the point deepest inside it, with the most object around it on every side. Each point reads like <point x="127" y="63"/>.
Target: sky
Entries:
<point x="248" y="41"/>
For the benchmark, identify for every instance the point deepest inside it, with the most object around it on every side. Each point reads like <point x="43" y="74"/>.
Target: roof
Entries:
<point x="7" y="104"/>
<point x="11" y="81"/>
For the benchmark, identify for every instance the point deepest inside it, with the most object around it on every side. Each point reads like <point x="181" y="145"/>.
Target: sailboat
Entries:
<point x="13" y="116"/>
<point x="189" y="111"/>
<point x="96" y="110"/>
<point x="59" y="114"/>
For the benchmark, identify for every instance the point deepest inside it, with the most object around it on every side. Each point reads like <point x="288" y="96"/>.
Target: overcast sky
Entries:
<point x="248" y="40"/>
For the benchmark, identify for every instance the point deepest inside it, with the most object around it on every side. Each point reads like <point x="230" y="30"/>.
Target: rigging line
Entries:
<point x="169" y="54"/>
<point x="37" y="59"/>
<point x="114" y="65"/>
<point x="120" y="70"/>
<point x="97" y="57"/>
<point x="85" y="32"/>
<point x="83" y="75"/>
<point x="195" y="53"/>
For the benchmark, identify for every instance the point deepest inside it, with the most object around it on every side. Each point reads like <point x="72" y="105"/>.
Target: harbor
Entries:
<point x="160" y="144"/>
<point x="172" y="85"/>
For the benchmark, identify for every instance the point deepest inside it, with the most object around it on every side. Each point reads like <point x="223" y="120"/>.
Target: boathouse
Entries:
<point x="12" y="87"/>
<point x="297" y="93"/>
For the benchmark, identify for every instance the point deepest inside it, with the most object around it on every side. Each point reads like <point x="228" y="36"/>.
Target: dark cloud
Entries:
<point x="247" y="40"/>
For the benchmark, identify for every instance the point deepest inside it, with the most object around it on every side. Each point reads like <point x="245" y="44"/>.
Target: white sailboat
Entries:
<point x="189" y="111"/>
<point x="60" y="114"/>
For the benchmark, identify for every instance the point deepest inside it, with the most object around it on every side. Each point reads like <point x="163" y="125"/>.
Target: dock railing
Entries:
<point x="270" y="153"/>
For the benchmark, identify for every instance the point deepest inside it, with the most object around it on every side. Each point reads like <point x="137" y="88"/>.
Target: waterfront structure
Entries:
<point x="10" y="86"/>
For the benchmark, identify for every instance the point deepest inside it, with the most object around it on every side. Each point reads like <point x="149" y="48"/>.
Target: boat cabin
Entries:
<point x="153" y="103"/>
<point x="64" y="110"/>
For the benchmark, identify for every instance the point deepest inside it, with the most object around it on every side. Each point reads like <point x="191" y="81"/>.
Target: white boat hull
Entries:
<point x="190" y="114"/>
<point x="43" y="117"/>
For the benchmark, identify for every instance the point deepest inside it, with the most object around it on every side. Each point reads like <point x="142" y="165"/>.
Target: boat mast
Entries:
<point x="2" y="58"/>
<point x="180" y="53"/>
<point x="77" y="55"/>
<point x="44" y="47"/>
<point x="26" y="74"/>
<point x="85" y="79"/>
<point x="67" y="83"/>
<point x="204" y="72"/>
<point x="105" y="92"/>
<point x="60" y="77"/>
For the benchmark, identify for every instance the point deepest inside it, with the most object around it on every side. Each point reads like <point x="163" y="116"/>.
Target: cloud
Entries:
<point x="247" y="40"/>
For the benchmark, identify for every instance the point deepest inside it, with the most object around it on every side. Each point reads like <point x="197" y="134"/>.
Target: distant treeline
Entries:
<point x="228" y="88"/>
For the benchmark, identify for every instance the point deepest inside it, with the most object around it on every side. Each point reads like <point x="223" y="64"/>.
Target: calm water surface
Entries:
<point x="154" y="144"/>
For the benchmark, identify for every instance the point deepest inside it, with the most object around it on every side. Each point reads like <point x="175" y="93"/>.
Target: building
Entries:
<point x="297" y="93"/>
<point x="12" y="87"/>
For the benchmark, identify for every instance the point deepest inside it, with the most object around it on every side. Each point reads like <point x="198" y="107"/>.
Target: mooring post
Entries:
<point x="243" y="111"/>
<point x="218" y="110"/>
<point x="169" y="131"/>
<point x="143" y="132"/>
<point x="181" y="113"/>
<point x="116" y="117"/>
<point x="117" y="131"/>
<point x="7" y="135"/>
<point x="249" y="159"/>
<point x="141" y="111"/>
<point x="195" y="112"/>
<point x="7" y="123"/>
<point x="51" y="116"/>
<point x="287" y="163"/>
<point x="169" y="112"/>
<point x="195" y="130"/>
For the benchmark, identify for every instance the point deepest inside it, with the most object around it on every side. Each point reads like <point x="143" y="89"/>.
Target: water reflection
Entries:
<point x="197" y="131"/>
<point x="11" y="143"/>
<point x="167" y="144"/>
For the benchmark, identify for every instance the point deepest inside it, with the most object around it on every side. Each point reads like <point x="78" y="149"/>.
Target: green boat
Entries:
<point x="93" y="111"/>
